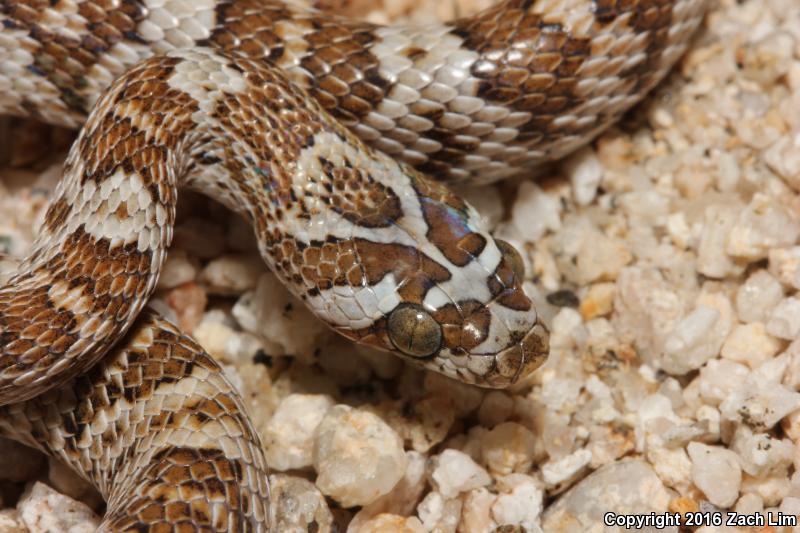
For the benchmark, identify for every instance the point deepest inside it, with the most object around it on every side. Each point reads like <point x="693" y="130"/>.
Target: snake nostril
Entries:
<point x="414" y="331"/>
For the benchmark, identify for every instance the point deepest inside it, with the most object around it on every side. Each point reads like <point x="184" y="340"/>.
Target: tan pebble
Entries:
<point x="599" y="301"/>
<point x="189" y="302"/>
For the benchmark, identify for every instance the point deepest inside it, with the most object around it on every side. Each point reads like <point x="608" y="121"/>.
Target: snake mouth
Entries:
<point x="521" y="360"/>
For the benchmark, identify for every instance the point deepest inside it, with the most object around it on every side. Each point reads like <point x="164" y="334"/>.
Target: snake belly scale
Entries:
<point x="324" y="133"/>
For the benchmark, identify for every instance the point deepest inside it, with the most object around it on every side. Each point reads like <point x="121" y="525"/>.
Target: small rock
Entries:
<point x="522" y="505"/>
<point x="389" y="523"/>
<point x="438" y="514"/>
<point x="599" y="301"/>
<point x="672" y="466"/>
<point x="759" y="403"/>
<point x="784" y="159"/>
<point x="784" y="264"/>
<point x="357" y="456"/>
<point x="509" y="447"/>
<point x="177" y="270"/>
<point x="749" y="504"/>
<point x="276" y="316"/>
<point x="476" y="514"/>
<point x="750" y="344"/>
<point x="289" y="435"/>
<point x="758" y="296"/>
<point x="761" y="455"/>
<point x="298" y="505"/>
<point x="233" y="274"/>
<point x="712" y="258"/>
<point x="716" y="471"/>
<point x="403" y="497"/>
<point x="784" y="321"/>
<point x="585" y="172"/>
<point x="535" y="212"/>
<point x="189" y="302"/>
<point x="687" y="348"/>
<point x="557" y="474"/>
<point x="647" y="310"/>
<point x="43" y="510"/>
<point x="424" y="423"/>
<point x="719" y="378"/>
<point x="763" y="225"/>
<point x="625" y="487"/>
<point x="453" y="472"/>
<point x="11" y="522"/>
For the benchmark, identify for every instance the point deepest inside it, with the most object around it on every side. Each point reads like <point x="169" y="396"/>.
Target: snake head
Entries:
<point x="392" y="259"/>
<point x="450" y="295"/>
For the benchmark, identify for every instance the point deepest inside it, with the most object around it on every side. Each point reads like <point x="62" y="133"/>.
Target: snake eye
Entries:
<point x="414" y="332"/>
<point x="514" y="259"/>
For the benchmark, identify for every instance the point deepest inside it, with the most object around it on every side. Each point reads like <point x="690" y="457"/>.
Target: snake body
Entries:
<point x="322" y="132"/>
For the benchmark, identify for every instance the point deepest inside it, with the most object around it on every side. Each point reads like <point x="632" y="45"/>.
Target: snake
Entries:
<point x="338" y="140"/>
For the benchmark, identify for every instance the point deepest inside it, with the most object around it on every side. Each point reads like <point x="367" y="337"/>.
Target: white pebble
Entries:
<point x="750" y="344"/>
<point x="233" y="274"/>
<point x="438" y="514"/>
<point x="476" y="514"/>
<point x="289" y="435"/>
<point x="522" y="505"/>
<point x="11" y="522"/>
<point x="559" y="472"/>
<point x="783" y="157"/>
<point x="784" y="264"/>
<point x="686" y="348"/>
<point x="716" y="471"/>
<point x="357" y="456"/>
<point x="177" y="270"/>
<point x="585" y="172"/>
<point x="784" y="321"/>
<point x="276" y="316"/>
<point x="298" y="504"/>
<point x="760" y="403"/>
<point x="43" y="510"/>
<point x="760" y="454"/>
<point x="757" y="296"/>
<point x="627" y="486"/>
<point x="454" y="472"/>
<point x="507" y="448"/>
<point x="763" y="225"/>
<point x="712" y="257"/>
<point x="535" y="212"/>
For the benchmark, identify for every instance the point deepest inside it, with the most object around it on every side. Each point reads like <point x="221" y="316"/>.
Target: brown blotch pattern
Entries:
<point x="173" y="489"/>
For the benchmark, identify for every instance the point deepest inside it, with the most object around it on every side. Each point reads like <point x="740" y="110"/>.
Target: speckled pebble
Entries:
<point x="43" y="510"/>
<point x="298" y="506"/>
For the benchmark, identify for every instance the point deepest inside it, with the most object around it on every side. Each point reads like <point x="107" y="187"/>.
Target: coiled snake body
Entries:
<point x="214" y="95"/>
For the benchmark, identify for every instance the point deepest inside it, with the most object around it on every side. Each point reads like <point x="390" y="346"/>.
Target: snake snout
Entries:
<point x="521" y="360"/>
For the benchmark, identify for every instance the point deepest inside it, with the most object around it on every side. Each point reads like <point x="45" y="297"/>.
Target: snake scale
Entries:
<point x="323" y="132"/>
